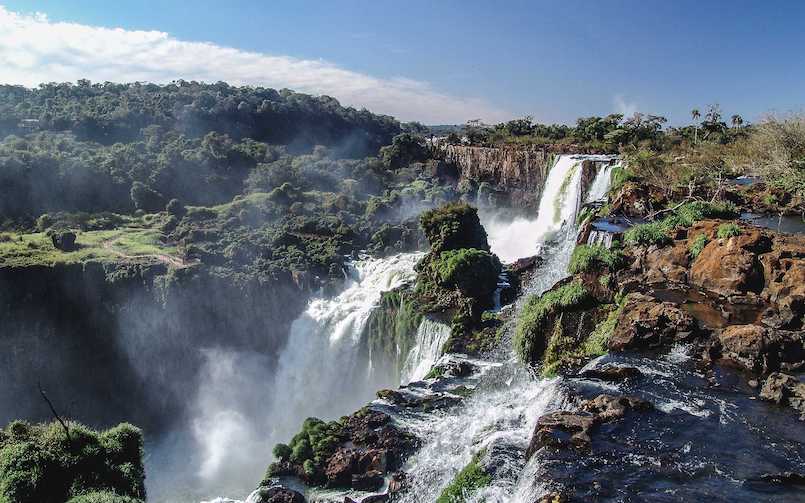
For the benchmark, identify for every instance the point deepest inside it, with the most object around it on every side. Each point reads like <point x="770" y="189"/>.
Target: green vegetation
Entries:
<point x="471" y="478"/>
<point x="528" y="337"/>
<point x="597" y="343"/>
<point x="656" y="233"/>
<point x="310" y="448"/>
<point x="697" y="244"/>
<point x="390" y="331"/>
<point x="647" y="234"/>
<point x="587" y="258"/>
<point x="474" y="272"/>
<point x="453" y="226"/>
<point x="728" y="230"/>
<point x="134" y="242"/>
<point x="104" y="497"/>
<point x="41" y="464"/>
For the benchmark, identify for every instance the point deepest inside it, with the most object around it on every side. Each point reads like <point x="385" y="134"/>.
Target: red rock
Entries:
<point x="645" y="322"/>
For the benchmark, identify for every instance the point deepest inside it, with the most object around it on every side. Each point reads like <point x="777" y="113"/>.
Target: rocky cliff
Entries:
<point x="125" y="341"/>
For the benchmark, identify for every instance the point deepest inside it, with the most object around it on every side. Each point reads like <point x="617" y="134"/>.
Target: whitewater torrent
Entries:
<point x="559" y="203"/>
<point x="320" y="372"/>
<point x="430" y="337"/>
<point x="497" y="421"/>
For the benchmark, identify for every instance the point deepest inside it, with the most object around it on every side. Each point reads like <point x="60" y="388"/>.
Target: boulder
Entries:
<point x="762" y="350"/>
<point x="563" y="429"/>
<point x="784" y="389"/>
<point x="611" y="374"/>
<point x="276" y="494"/>
<point x="731" y="266"/>
<point x="63" y="240"/>
<point x="645" y="322"/>
<point x="371" y="480"/>
<point x="668" y="264"/>
<point x="340" y="468"/>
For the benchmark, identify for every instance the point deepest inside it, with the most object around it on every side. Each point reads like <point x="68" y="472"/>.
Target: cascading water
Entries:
<point x="560" y="201"/>
<point x="321" y="372"/>
<point x="600" y="187"/>
<point x="496" y="422"/>
<point x="430" y="337"/>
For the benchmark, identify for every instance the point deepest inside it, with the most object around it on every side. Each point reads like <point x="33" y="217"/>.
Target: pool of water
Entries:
<point x="787" y="224"/>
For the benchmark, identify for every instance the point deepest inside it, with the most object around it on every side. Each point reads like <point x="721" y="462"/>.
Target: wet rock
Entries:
<point x="784" y="389"/>
<point x="553" y="497"/>
<point x="762" y="350"/>
<point x="731" y="266"/>
<point x="564" y="429"/>
<point x="398" y="483"/>
<point x="372" y="480"/>
<point x="645" y="322"/>
<point x="340" y="468"/>
<point x="611" y="374"/>
<point x="277" y="494"/>
<point x="784" y="478"/>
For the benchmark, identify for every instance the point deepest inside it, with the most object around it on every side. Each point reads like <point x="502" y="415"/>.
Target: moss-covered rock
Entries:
<point x="469" y="480"/>
<point x="454" y="226"/>
<point x="540" y="315"/>
<point x="474" y="272"/>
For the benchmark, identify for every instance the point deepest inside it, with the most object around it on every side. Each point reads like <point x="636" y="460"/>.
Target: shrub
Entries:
<point x="594" y="257"/>
<point x="175" y="208"/>
<point x="536" y="309"/>
<point x="310" y="448"/>
<point x="38" y="463"/>
<point x="282" y="451"/>
<point x="728" y="230"/>
<point x="697" y="244"/>
<point x="471" y="478"/>
<point x="647" y="234"/>
<point x="104" y="497"/>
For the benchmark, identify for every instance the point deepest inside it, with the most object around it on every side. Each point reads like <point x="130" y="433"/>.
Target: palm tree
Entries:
<point x="737" y="120"/>
<point x="695" y="114"/>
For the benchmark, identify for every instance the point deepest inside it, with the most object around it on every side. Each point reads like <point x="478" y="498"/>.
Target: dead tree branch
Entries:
<point x="55" y="414"/>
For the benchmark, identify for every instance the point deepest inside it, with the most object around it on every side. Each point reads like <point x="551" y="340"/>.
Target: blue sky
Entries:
<point x="449" y="61"/>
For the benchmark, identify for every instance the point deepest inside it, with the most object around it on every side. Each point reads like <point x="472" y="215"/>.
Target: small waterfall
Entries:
<point x="559" y="204"/>
<point x="600" y="186"/>
<point x="601" y="238"/>
<point x="430" y="337"/>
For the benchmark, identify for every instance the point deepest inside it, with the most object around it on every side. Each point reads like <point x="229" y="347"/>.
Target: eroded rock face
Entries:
<point x="762" y="350"/>
<point x="637" y="200"/>
<point x="563" y="429"/>
<point x="646" y="322"/>
<point x="612" y="374"/>
<point x="731" y="266"/>
<point x="784" y="389"/>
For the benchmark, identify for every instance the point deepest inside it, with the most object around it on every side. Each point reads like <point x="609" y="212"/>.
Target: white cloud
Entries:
<point x="624" y="107"/>
<point x="34" y="49"/>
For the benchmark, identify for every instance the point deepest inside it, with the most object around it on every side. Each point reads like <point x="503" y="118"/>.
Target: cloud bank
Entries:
<point x="34" y="49"/>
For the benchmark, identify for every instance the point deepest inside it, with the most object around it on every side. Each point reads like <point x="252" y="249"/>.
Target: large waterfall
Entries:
<point x="244" y="408"/>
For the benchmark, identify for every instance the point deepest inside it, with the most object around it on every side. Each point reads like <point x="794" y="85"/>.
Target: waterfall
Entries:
<point x="600" y="187"/>
<point x="430" y="337"/>
<point x="602" y="238"/>
<point x="560" y="201"/>
<point x="244" y="408"/>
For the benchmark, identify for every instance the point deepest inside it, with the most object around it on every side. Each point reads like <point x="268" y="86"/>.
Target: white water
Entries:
<point x="244" y="408"/>
<point x="600" y="187"/>
<point x="560" y="201"/>
<point x="430" y="337"/>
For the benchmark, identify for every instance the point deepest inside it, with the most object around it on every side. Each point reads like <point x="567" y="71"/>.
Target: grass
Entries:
<point x="647" y="234"/>
<point x="697" y="244"/>
<point x="536" y="309"/>
<point x="594" y="257"/>
<point x="656" y="233"/>
<point x="23" y="250"/>
<point x="728" y="230"/>
<point x="471" y="478"/>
